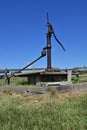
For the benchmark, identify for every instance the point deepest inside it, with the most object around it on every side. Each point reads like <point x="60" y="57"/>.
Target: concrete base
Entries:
<point x="61" y="86"/>
<point x="52" y="75"/>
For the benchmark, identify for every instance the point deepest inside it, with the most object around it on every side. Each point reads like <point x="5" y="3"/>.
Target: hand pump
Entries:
<point x="48" y="47"/>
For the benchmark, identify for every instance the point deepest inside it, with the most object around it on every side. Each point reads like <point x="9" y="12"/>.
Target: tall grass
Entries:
<point x="34" y="113"/>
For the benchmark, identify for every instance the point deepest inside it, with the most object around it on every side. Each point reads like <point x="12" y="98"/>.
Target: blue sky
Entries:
<point x="23" y="32"/>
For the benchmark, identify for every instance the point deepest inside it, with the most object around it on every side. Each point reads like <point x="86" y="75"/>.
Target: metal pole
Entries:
<point x="48" y="50"/>
<point x="43" y="53"/>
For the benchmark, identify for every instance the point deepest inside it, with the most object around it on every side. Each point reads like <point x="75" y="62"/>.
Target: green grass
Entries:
<point x="80" y="79"/>
<point x="34" y="113"/>
<point x="15" y="81"/>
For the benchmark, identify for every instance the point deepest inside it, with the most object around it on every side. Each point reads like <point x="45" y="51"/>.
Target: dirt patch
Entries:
<point x="66" y="90"/>
<point x="46" y="97"/>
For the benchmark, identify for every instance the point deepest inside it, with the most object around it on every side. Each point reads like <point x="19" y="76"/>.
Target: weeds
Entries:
<point x="19" y="113"/>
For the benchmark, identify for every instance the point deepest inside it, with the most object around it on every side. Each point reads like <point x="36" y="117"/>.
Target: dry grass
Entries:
<point x="46" y="97"/>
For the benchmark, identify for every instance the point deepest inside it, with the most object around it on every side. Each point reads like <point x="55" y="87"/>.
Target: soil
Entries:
<point x="75" y="89"/>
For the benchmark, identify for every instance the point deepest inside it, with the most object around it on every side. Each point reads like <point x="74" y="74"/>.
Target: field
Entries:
<point x="15" y="81"/>
<point x="79" y="79"/>
<point x="52" y="111"/>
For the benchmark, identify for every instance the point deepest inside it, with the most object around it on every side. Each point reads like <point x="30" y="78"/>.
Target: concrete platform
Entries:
<point x="53" y="75"/>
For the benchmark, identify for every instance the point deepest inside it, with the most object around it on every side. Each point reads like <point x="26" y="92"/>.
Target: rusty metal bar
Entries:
<point x="43" y="53"/>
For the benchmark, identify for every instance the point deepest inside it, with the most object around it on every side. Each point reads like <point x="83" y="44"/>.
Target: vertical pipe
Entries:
<point x="48" y="50"/>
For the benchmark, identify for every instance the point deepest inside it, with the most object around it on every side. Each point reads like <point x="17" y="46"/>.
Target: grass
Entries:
<point x="63" y="112"/>
<point x="80" y="79"/>
<point x="15" y="81"/>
